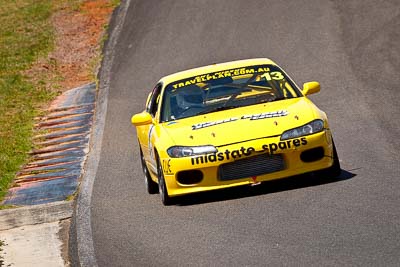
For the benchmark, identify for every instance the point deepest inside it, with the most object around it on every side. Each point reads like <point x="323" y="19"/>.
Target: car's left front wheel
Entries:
<point x="333" y="171"/>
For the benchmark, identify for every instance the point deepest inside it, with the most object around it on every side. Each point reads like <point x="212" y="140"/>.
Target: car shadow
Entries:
<point x="275" y="186"/>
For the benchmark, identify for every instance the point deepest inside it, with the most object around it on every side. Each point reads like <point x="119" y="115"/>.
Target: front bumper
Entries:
<point x="284" y="159"/>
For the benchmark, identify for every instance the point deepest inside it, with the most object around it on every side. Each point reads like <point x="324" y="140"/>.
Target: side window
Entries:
<point x="154" y="100"/>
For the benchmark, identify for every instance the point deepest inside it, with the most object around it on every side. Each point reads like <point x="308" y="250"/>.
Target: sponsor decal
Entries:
<point x="266" y="115"/>
<point x="212" y="123"/>
<point x="259" y="116"/>
<point x="166" y="164"/>
<point x="151" y="150"/>
<point x="243" y="152"/>
<point x="274" y="75"/>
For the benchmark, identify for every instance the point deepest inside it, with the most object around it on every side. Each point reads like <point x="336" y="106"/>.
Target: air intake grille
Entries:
<point x="252" y="166"/>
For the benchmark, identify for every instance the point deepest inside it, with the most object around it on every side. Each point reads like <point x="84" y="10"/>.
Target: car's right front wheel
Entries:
<point x="162" y="187"/>
<point x="151" y="186"/>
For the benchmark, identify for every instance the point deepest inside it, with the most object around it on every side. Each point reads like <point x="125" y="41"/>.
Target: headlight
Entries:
<point x="309" y="128"/>
<point x="187" y="151"/>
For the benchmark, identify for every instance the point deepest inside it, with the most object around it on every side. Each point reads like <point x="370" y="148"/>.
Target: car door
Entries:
<point x="147" y="130"/>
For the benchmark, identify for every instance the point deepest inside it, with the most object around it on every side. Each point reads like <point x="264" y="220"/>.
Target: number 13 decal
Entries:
<point x="275" y="75"/>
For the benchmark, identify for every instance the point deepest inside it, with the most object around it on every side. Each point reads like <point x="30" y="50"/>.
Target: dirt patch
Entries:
<point x="79" y="30"/>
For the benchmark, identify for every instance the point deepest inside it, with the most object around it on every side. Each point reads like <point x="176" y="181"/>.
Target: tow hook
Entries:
<point x="255" y="181"/>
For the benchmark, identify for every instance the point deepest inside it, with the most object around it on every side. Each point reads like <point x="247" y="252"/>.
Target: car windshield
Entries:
<point x="224" y="90"/>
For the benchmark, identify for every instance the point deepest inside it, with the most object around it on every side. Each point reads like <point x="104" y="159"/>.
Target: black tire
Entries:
<point x="162" y="188"/>
<point x="333" y="171"/>
<point x="151" y="186"/>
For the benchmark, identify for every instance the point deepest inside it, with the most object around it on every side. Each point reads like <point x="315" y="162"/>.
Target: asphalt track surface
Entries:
<point x="350" y="47"/>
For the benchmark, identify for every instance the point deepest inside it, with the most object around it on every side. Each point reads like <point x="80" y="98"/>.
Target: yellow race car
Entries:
<point x="231" y="124"/>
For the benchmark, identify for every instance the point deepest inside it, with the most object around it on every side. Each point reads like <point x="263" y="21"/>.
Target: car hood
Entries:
<point x="241" y="124"/>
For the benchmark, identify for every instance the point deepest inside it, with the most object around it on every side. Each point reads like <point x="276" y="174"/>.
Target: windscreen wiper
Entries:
<point x="220" y="108"/>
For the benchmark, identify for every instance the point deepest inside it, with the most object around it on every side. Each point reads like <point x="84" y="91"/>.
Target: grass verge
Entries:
<point x="26" y="34"/>
<point x="45" y="46"/>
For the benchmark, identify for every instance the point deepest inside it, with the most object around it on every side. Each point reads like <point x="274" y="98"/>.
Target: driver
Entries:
<point x="187" y="97"/>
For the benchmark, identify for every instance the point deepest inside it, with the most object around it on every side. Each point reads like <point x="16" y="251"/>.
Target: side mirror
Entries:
<point x="311" y="88"/>
<point x="141" y="119"/>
